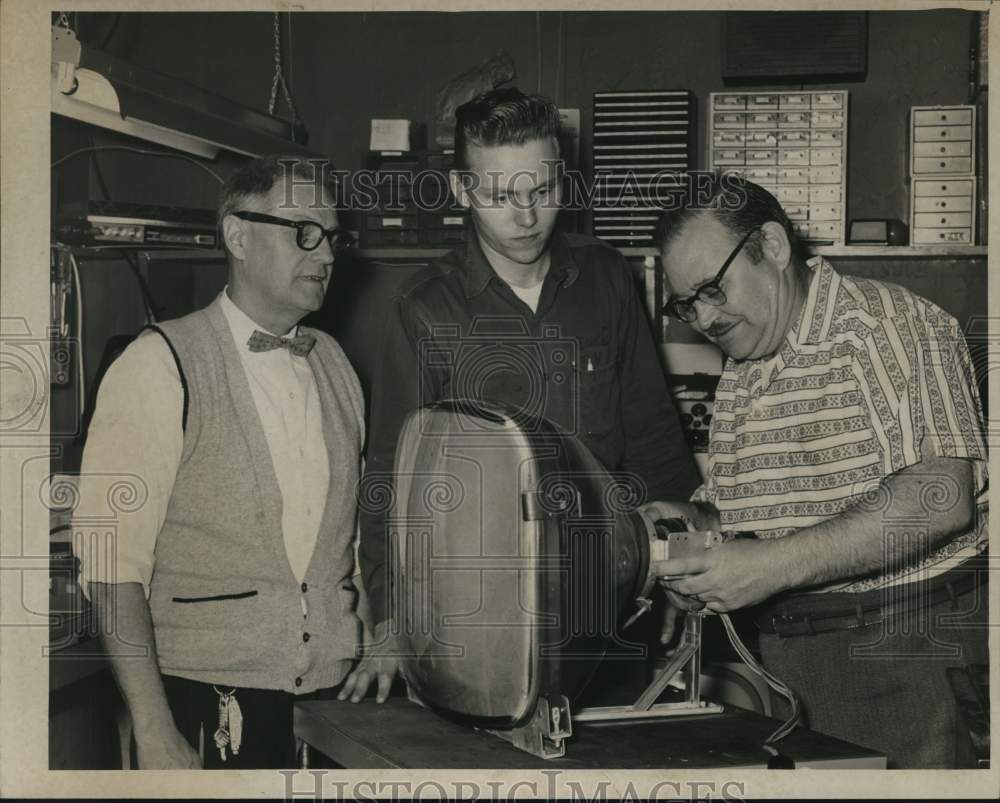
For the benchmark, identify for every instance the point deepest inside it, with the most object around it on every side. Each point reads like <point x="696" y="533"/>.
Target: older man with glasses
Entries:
<point x="229" y="590"/>
<point x="848" y="434"/>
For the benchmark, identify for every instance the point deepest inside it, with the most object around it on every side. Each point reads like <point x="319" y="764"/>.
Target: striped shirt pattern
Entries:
<point x="868" y="372"/>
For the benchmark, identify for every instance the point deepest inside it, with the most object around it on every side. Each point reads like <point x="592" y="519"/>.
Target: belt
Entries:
<point x="809" y="614"/>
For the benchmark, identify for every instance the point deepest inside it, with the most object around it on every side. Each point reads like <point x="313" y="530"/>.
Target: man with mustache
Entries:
<point x="547" y="322"/>
<point x="848" y="434"/>
<point x="229" y="589"/>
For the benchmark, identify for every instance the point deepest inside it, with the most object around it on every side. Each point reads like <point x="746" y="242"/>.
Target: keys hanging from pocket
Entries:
<point x="230" y="730"/>
<point x="235" y="724"/>
<point x="221" y="736"/>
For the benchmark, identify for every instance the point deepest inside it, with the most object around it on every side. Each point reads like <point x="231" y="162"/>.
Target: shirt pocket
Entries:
<point x="598" y="390"/>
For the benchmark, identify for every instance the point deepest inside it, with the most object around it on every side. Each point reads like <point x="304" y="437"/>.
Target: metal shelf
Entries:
<point x="902" y="251"/>
<point x="867" y="251"/>
<point x="402" y="253"/>
<point x="846" y="251"/>
<point x="146" y="253"/>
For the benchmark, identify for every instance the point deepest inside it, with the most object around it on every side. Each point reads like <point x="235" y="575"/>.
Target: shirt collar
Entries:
<point x="478" y="271"/>
<point x="811" y="327"/>
<point x="242" y="325"/>
<point x="816" y="317"/>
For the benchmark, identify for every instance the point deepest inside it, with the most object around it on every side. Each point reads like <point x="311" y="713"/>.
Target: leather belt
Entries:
<point x="809" y="614"/>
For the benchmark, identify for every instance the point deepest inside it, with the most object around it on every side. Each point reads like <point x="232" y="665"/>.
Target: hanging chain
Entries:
<point x="279" y="76"/>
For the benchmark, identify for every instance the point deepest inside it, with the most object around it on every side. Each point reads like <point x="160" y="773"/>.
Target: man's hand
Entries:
<point x="697" y="515"/>
<point x="164" y="748"/>
<point x="733" y="575"/>
<point x="379" y="663"/>
<point x="676" y="605"/>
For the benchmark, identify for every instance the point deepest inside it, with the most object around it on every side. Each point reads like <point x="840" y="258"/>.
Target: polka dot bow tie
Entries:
<point x="300" y="346"/>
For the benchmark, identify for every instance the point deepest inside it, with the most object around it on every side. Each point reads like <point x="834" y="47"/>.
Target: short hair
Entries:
<point x="255" y="180"/>
<point x="739" y="205"/>
<point x="503" y="117"/>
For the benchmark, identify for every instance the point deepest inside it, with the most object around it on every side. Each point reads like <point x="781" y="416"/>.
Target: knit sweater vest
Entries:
<point x="226" y="606"/>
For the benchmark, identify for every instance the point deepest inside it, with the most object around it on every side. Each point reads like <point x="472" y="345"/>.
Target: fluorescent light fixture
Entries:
<point x="103" y="90"/>
<point x="92" y="99"/>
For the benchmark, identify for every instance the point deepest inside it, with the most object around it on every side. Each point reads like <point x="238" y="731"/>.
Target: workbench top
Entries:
<point x="401" y="734"/>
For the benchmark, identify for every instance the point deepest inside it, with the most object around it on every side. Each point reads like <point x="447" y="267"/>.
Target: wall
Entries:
<point x="346" y="68"/>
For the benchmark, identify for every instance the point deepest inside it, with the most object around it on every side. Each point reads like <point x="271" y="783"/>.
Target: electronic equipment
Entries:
<point x="943" y="175"/>
<point x="411" y="203"/>
<point x="881" y="231"/>
<point x="696" y="416"/>
<point x="515" y="555"/>
<point x="694" y="397"/>
<point x="794" y="145"/>
<point x="390" y="135"/>
<point x="62" y="343"/>
<point x="643" y="147"/>
<point x="105" y="223"/>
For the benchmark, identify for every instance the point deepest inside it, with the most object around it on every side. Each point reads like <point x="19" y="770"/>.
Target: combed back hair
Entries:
<point x="503" y="117"/>
<point x="254" y="181"/>
<point x="738" y="204"/>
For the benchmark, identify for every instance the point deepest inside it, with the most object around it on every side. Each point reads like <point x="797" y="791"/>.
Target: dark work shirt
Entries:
<point x="584" y="360"/>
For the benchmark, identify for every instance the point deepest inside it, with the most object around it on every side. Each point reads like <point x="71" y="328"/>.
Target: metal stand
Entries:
<point x="544" y="734"/>
<point x="687" y="661"/>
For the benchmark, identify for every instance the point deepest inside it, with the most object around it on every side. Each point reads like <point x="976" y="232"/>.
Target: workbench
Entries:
<point x="400" y="734"/>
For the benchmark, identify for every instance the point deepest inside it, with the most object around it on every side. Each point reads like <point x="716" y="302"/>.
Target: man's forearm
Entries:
<point x="858" y="543"/>
<point x="127" y="634"/>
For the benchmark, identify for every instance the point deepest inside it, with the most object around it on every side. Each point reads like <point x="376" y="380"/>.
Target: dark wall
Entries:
<point x="346" y="68"/>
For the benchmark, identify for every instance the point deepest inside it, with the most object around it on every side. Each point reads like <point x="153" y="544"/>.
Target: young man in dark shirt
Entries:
<point x="528" y="316"/>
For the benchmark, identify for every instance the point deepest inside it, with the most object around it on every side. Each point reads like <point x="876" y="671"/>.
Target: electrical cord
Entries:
<point x="538" y="50"/>
<point x="741" y="649"/>
<point x="81" y="380"/>
<point x="143" y="151"/>
<point x="559" y="59"/>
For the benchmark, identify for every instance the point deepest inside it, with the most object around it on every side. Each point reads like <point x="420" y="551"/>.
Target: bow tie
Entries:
<point x="300" y="346"/>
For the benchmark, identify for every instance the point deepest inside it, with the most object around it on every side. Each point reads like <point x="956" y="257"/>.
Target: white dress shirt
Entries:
<point x="136" y="430"/>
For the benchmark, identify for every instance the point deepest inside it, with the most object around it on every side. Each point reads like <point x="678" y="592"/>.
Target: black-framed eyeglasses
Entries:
<point x="308" y="234"/>
<point x="710" y="293"/>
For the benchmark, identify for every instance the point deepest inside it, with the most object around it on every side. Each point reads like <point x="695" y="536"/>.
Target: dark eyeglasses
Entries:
<point x="308" y="235"/>
<point x="711" y="292"/>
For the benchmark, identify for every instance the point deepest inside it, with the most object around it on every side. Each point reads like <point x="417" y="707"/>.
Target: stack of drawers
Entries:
<point x="643" y="147"/>
<point x="414" y="205"/>
<point x="942" y="175"/>
<point x="794" y="144"/>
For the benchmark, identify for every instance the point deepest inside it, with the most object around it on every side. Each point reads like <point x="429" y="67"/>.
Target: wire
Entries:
<point x="81" y="383"/>
<point x="279" y="76"/>
<point x="144" y="152"/>
<point x="559" y="59"/>
<point x="538" y="49"/>
<point x="789" y="724"/>
<point x="291" y="59"/>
